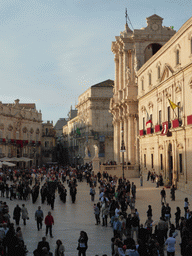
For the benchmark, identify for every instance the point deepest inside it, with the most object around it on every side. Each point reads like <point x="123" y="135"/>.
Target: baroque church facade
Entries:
<point x="131" y="50"/>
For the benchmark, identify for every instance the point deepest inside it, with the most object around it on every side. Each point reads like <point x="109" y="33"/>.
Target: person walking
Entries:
<point x="186" y="206"/>
<point x="24" y="214"/>
<point x="49" y="221"/>
<point x="82" y="243"/>
<point x="171" y="245"/>
<point x="39" y="217"/>
<point x="173" y="193"/>
<point x="17" y="214"/>
<point x="163" y="195"/>
<point x="60" y="249"/>
<point x="177" y="217"/>
<point x="92" y="193"/>
<point x="149" y="212"/>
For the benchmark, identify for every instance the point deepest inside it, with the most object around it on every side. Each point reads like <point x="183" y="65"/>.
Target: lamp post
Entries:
<point x="122" y="148"/>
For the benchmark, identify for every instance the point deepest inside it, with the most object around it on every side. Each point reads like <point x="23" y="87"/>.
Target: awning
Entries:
<point x="25" y="159"/>
<point x="7" y="163"/>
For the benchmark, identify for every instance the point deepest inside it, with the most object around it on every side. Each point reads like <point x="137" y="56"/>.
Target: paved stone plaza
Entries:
<point x="70" y="219"/>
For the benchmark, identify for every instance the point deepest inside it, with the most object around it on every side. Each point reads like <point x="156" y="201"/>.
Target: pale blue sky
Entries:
<point x="51" y="51"/>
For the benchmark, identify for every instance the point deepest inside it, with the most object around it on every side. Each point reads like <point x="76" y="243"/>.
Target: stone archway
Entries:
<point x="150" y="50"/>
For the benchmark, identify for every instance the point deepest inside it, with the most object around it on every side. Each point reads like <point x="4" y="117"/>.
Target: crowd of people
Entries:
<point x="116" y="207"/>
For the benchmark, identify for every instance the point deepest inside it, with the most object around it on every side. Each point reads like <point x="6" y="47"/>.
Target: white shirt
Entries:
<point x="117" y="211"/>
<point x="171" y="244"/>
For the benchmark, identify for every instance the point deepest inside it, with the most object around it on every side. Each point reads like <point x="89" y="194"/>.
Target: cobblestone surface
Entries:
<point x="70" y="219"/>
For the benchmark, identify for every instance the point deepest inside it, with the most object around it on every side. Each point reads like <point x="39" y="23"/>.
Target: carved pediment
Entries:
<point x="179" y="146"/>
<point x="161" y="147"/>
<point x="31" y="130"/>
<point x="24" y="129"/>
<point x="167" y="72"/>
<point x="150" y="105"/>
<point x="10" y="127"/>
<point x="143" y="108"/>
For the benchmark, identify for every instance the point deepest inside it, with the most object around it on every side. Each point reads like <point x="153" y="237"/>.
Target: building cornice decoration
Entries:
<point x="150" y="105"/>
<point x="161" y="147"/>
<point x="179" y="146"/>
<point x="24" y="129"/>
<point x="1" y="126"/>
<point x="159" y="99"/>
<point x="190" y="83"/>
<point x="143" y="109"/>
<point x="31" y="130"/>
<point x="178" y="87"/>
<point x="10" y="128"/>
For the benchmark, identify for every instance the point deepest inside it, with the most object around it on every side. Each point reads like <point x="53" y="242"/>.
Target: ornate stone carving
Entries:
<point x="128" y="72"/>
<point x="150" y="105"/>
<point x="179" y="146"/>
<point x="24" y="130"/>
<point x="161" y="147"/>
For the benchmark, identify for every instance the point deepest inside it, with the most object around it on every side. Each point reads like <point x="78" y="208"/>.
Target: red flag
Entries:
<point x="165" y="128"/>
<point x="149" y="122"/>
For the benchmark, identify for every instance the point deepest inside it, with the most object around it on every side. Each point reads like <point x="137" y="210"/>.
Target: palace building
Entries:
<point x="165" y="110"/>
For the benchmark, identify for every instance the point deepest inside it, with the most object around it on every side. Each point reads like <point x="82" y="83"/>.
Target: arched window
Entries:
<point x="149" y="78"/>
<point x="177" y="56"/>
<point x="158" y="72"/>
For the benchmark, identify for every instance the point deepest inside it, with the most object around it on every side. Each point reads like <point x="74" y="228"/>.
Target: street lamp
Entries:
<point x="122" y="148"/>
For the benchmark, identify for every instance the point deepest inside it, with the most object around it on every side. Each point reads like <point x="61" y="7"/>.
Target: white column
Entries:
<point x="126" y="138"/>
<point x="125" y="67"/>
<point x="129" y="138"/>
<point x="136" y="140"/>
<point x="116" y="72"/>
<point x="120" y="70"/>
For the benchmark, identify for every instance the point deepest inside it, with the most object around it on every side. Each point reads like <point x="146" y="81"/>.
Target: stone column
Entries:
<point x="136" y="140"/>
<point x="120" y="70"/>
<point x="118" y="141"/>
<point x="132" y="65"/>
<point x="116" y="72"/>
<point x="130" y="141"/>
<point x="115" y="140"/>
<point x="184" y="158"/>
<point x="125" y="67"/>
<point x="126" y="138"/>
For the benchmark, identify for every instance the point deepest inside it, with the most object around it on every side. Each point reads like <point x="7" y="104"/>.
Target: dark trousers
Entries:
<point x="105" y="221"/>
<point x="50" y="230"/>
<point x="82" y="251"/>
<point x="170" y="253"/>
<point x="39" y="223"/>
<point x="97" y="218"/>
<point x="17" y="220"/>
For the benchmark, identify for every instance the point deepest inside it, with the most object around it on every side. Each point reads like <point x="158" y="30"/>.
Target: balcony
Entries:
<point x="158" y="128"/>
<point x="189" y="120"/>
<point x="142" y="132"/>
<point x="176" y="123"/>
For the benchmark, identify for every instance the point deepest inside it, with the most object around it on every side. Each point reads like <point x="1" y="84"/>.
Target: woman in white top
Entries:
<point x="59" y="249"/>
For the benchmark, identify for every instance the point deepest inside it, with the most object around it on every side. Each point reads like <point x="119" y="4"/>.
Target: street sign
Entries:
<point x="122" y="150"/>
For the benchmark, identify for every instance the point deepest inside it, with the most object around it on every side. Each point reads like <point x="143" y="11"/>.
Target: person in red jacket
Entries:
<point x="49" y="221"/>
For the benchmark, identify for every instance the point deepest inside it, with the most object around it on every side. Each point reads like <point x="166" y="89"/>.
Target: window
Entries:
<point x="152" y="161"/>
<point x="158" y="72"/>
<point x="46" y="144"/>
<point x="144" y="160"/>
<point x="160" y="120"/>
<point x="169" y="117"/>
<point x="46" y="131"/>
<point x="142" y="84"/>
<point x="17" y="135"/>
<point x="161" y="161"/>
<point x="151" y="118"/>
<point x="177" y="57"/>
<point x="179" y="110"/>
<point x="143" y="123"/>
<point x="180" y="163"/>
<point x="149" y="78"/>
<point x="191" y="45"/>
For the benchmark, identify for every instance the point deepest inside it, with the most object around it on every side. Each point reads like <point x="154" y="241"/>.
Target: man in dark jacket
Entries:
<point x="17" y="214"/>
<point x="43" y="244"/>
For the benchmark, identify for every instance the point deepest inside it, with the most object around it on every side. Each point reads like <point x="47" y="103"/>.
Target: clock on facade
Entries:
<point x="155" y="27"/>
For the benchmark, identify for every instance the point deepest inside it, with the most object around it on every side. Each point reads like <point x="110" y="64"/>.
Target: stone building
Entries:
<point x="165" y="105"/>
<point x="48" y="143"/>
<point x="20" y="133"/>
<point x="131" y="50"/>
<point x="92" y="125"/>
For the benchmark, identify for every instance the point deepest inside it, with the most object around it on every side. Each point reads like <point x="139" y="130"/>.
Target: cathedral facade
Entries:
<point x="131" y="50"/>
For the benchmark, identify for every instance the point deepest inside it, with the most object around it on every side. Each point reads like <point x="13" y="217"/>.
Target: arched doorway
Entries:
<point x="170" y="163"/>
<point x="150" y="50"/>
